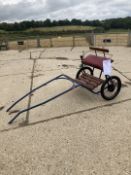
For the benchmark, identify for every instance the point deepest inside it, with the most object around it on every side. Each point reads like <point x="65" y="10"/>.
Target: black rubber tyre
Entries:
<point x="87" y="70"/>
<point x="111" y="86"/>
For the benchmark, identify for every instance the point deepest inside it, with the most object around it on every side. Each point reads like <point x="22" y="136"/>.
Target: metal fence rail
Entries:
<point x="86" y="39"/>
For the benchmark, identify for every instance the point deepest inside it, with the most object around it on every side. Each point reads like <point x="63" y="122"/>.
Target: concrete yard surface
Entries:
<point x="77" y="134"/>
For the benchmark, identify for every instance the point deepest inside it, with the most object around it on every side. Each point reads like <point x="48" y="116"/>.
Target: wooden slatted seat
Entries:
<point x="89" y="81"/>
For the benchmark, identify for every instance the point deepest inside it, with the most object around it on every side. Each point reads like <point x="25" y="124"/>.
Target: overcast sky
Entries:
<point x="17" y="10"/>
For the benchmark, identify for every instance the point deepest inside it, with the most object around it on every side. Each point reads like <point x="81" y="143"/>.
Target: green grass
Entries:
<point x="3" y="31"/>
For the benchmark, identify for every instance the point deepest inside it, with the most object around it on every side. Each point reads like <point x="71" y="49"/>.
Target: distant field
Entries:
<point x="46" y="32"/>
<point x="117" y="31"/>
<point x="62" y="29"/>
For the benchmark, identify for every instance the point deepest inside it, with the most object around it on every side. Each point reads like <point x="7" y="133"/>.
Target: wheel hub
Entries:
<point x="111" y="87"/>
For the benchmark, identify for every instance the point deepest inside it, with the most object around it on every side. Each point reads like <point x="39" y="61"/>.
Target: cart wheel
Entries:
<point x="86" y="70"/>
<point x="111" y="88"/>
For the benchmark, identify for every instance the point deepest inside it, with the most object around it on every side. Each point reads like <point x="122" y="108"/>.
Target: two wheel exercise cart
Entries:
<point x="109" y="87"/>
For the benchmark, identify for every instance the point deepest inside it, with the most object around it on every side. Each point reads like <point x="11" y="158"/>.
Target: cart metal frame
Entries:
<point x="75" y="84"/>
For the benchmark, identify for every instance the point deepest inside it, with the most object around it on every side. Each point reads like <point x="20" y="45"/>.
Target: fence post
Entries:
<point x="51" y="43"/>
<point x="93" y="38"/>
<point x="73" y="41"/>
<point x="30" y="56"/>
<point x="7" y="42"/>
<point x="4" y="44"/>
<point x="129" y="38"/>
<point x="38" y="41"/>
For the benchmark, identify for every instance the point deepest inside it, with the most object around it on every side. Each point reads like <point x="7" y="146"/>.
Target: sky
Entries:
<point x="19" y="10"/>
